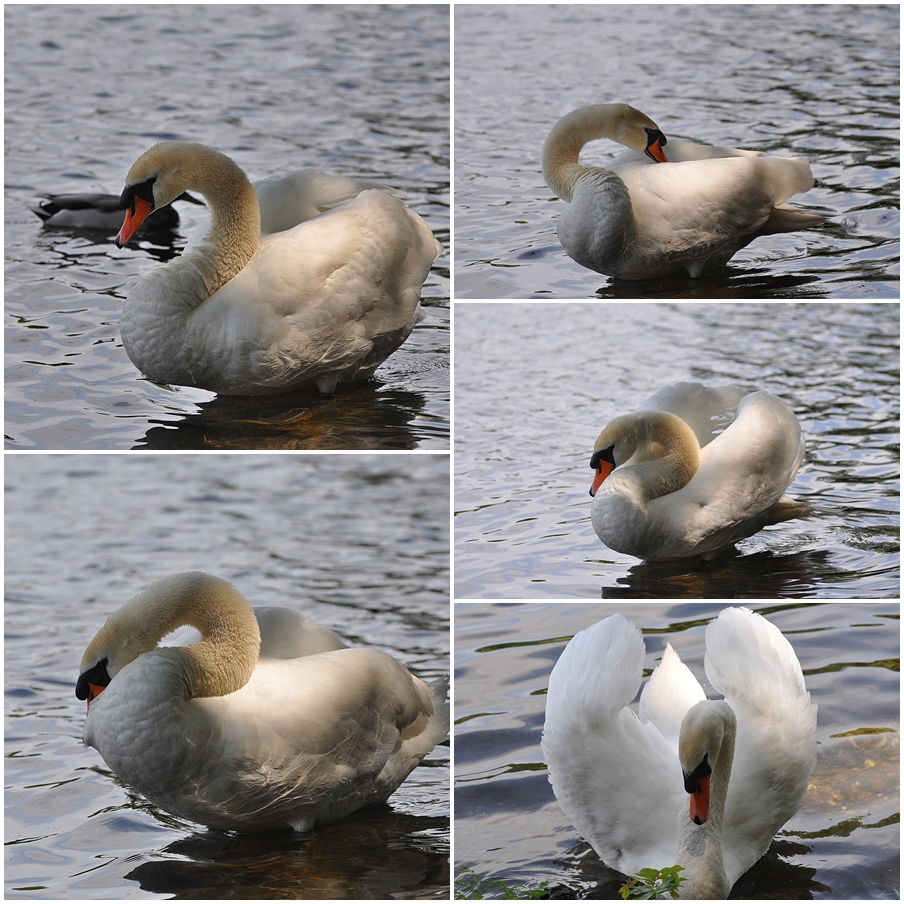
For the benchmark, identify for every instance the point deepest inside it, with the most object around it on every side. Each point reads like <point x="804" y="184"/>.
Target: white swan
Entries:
<point x="648" y="214"/>
<point x="696" y="469"/>
<point x="303" y="732"/>
<point x="623" y="780"/>
<point x="313" y="279"/>
<point x="101" y="212"/>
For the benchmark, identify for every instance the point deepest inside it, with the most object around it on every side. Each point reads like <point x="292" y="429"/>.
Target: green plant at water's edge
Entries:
<point x="653" y="884"/>
<point x="469" y="886"/>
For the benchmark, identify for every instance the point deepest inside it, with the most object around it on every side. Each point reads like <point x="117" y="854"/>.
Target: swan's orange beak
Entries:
<point x="94" y="690"/>
<point x="654" y="150"/>
<point x="603" y="470"/>
<point x="135" y="216"/>
<point x="700" y="801"/>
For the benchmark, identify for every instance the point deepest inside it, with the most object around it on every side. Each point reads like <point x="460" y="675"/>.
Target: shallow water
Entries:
<point x="828" y="90"/>
<point x="278" y="88"/>
<point x="357" y="542"/>
<point x="843" y="843"/>
<point x="535" y="383"/>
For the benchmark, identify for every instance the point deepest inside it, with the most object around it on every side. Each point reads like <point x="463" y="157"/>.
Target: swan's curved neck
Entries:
<point x="561" y="169"/>
<point x="235" y="228"/>
<point x="708" y="730"/>
<point x="219" y="664"/>
<point x="664" y="451"/>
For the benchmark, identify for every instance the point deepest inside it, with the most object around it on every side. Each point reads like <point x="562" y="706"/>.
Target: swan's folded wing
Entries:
<point x="679" y="151"/>
<point x="325" y="734"/>
<point x="753" y="665"/>
<point x="701" y="204"/>
<point x="747" y="468"/>
<point x="614" y="776"/>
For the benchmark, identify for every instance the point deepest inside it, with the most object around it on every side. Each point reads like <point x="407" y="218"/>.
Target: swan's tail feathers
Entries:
<point x="432" y="725"/>
<point x="786" y="509"/>
<point x="786" y="218"/>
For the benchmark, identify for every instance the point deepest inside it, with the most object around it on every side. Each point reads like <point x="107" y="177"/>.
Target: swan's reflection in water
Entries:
<point x="729" y="575"/>
<point x="358" y="416"/>
<point x="378" y="854"/>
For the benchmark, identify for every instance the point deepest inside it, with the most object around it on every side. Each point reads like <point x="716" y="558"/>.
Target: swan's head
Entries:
<point x="638" y="132"/>
<point x="643" y="437"/>
<point x="705" y="744"/>
<point x="613" y="447"/>
<point x="210" y="604"/>
<point x="160" y="175"/>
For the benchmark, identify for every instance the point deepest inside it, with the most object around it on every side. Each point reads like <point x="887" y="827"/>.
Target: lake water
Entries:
<point x="359" y="543"/>
<point x="535" y="383"/>
<point x="817" y="81"/>
<point x="844" y="842"/>
<point x="278" y="88"/>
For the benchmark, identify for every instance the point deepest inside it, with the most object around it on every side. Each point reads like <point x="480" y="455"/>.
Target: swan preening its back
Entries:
<point x="666" y="205"/>
<point x="685" y="781"/>
<point x="300" y="280"/>
<point x="693" y="470"/>
<point x="268" y="721"/>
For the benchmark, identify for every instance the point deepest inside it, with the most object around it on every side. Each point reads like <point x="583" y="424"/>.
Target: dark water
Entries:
<point x="359" y="543"/>
<point x="278" y="88"/>
<point x="795" y="79"/>
<point x="535" y="383"/>
<point x="844" y="842"/>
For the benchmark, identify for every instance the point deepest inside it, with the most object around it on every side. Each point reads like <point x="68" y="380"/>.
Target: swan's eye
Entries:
<point x="654" y="135"/>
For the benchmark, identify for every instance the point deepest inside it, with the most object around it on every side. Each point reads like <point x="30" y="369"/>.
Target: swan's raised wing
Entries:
<point x="753" y="665"/>
<point x="746" y="470"/>
<point x="707" y="410"/>
<point x="614" y="776"/>
<point x="286" y="634"/>
<point x="286" y="201"/>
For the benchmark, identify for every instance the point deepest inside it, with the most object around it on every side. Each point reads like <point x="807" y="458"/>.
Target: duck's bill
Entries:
<point x="135" y="216"/>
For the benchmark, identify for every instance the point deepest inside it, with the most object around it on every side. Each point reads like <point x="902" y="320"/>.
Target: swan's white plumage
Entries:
<point x="618" y="778"/>
<point x="303" y="279"/>
<point x="671" y="497"/>
<point x="306" y="731"/>
<point x="638" y="217"/>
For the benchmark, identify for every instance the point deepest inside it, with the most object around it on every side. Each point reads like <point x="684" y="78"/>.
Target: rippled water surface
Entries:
<point x="797" y="79"/>
<point x="277" y="88"/>
<point x="844" y="842"/>
<point x="535" y="383"/>
<point x="358" y="543"/>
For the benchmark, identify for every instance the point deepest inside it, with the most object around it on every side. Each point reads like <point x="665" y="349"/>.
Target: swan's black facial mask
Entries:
<point x="145" y="191"/>
<point x="92" y="681"/>
<point x="656" y="141"/>
<point x="692" y="779"/>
